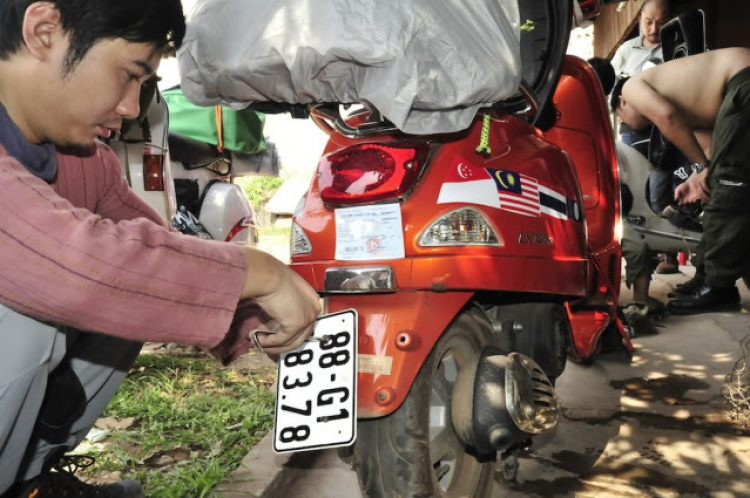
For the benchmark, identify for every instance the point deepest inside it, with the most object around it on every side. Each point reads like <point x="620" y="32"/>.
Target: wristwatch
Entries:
<point x="698" y="167"/>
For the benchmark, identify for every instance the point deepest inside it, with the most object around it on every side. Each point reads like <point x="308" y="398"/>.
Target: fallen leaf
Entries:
<point x="163" y="458"/>
<point x="112" y="424"/>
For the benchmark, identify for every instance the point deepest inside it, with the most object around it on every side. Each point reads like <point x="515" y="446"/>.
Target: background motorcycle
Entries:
<point x="441" y="385"/>
<point x="153" y="160"/>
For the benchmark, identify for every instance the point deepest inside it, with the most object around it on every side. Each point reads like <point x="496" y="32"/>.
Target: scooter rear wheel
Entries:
<point x="415" y="451"/>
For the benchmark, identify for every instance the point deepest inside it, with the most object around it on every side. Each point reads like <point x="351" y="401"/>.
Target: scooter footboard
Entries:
<point x="396" y="333"/>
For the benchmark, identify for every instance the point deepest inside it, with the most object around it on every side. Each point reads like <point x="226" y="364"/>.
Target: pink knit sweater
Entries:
<point x="87" y="252"/>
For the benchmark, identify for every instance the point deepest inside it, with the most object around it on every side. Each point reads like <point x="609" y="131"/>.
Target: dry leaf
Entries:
<point x="112" y="424"/>
<point x="163" y="458"/>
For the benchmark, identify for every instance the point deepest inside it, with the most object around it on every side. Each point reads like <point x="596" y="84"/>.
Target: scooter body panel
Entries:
<point x="131" y="148"/>
<point x="588" y="326"/>
<point x="532" y="248"/>
<point x="396" y="333"/>
<point x="227" y="214"/>
<point x="583" y="130"/>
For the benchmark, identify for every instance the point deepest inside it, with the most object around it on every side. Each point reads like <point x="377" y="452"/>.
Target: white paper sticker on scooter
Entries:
<point x="316" y="399"/>
<point x="367" y="233"/>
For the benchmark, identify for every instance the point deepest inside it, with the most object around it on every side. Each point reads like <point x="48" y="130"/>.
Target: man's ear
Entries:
<point x="40" y="24"/>
<point x="622" y="101"/>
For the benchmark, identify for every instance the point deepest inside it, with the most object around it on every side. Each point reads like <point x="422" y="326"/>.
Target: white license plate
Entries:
<point x="316" y="400"/>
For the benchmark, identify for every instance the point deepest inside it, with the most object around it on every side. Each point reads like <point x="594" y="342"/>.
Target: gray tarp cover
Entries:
<point x="426" y="65"/>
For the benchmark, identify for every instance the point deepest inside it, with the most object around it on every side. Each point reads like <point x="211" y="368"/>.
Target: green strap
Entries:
<point x="484" y="143"/>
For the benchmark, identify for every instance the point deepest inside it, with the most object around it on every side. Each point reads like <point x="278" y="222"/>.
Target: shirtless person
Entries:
<point x="697" y="95"/>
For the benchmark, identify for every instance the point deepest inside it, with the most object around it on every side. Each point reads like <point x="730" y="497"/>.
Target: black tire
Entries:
<point x="545" y="335"/>
<point x="408" y="455"/>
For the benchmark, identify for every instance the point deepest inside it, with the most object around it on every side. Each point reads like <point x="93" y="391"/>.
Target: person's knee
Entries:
<point x="636" y="253"/>
<point x="27" y="344"/>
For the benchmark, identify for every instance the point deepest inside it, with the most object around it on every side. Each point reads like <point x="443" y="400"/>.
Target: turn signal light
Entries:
<point x="462" y="227"/>
<point x="153" y="173"/>
<point x="299" y="242"/>
<point x="367" y="173"/>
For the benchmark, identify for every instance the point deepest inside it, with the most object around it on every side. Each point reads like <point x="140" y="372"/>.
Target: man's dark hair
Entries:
<point x="159" y="22"/>
<point x="614" y="99"/>
<point x="606" y="73"/>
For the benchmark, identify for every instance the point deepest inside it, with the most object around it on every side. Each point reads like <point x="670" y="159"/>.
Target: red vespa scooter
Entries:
<point x="476" y="262"/>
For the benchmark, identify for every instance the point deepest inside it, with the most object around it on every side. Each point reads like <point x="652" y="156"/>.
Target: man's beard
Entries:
<point x="74" y="149"/>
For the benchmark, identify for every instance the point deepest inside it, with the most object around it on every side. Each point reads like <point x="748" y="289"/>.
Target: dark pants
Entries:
<point x="640" y="261"/>
<point x="726" y="221"/>
<point x="31" y="354"/>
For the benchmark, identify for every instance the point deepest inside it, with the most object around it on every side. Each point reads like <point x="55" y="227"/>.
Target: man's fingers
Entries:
<point x="679" y="193"/>
<point x="283" y="346"/>
<point x="282" y="341"/>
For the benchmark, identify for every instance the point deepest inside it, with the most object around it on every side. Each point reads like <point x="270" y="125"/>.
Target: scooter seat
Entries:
<point x="191" y="152"/>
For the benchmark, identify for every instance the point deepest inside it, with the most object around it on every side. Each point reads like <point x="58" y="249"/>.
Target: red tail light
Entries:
<point x="153" y="172"/>
<point x="368" y="173"/>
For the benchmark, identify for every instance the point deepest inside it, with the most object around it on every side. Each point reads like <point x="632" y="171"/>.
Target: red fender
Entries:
<point x="396" y="333"/>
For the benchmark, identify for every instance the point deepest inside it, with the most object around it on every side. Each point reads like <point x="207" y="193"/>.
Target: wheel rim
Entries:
<point x="456" y="472"/>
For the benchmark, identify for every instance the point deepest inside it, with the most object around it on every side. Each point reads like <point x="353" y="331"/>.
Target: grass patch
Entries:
<point x="259" y="189"/>
<point x="281" y="232"/>
<point x="275" y="240"/>
<point x="194" y="422"/>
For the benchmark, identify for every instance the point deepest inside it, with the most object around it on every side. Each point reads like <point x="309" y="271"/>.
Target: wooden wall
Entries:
<point x="727" y="22"/>
<point x="611" y="28"/>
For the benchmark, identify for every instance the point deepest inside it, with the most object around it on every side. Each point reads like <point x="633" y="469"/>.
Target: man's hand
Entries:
<point x="285" y="296"/>
<point x="694" y="189"/>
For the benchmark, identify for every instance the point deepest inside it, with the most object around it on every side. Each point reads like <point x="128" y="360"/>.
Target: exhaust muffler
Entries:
<point x="501" y="400"/>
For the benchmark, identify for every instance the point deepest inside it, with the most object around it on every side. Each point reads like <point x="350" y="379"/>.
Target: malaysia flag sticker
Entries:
<point x="518" y="193"/>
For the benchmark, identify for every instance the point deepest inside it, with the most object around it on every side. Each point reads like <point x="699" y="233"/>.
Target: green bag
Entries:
<point x="236" y="131"/>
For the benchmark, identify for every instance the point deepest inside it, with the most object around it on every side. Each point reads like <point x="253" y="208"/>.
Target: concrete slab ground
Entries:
<point x="653" y="425"/>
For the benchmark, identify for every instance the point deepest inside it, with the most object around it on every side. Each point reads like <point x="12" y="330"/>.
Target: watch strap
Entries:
<point x="698" y="167"/>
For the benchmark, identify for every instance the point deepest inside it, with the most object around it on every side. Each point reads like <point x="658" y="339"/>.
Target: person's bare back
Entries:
<point x="682" y="99"/>
<point x="695" y="84"/>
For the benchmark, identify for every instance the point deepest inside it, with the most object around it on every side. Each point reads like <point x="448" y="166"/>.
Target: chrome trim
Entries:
<point x="364" y="130"/>
<point x="359" y="280"/>
<point x="667" y="235"/>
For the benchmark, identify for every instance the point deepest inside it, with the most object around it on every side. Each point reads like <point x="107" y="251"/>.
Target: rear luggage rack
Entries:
<point x="328" y="117"/>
